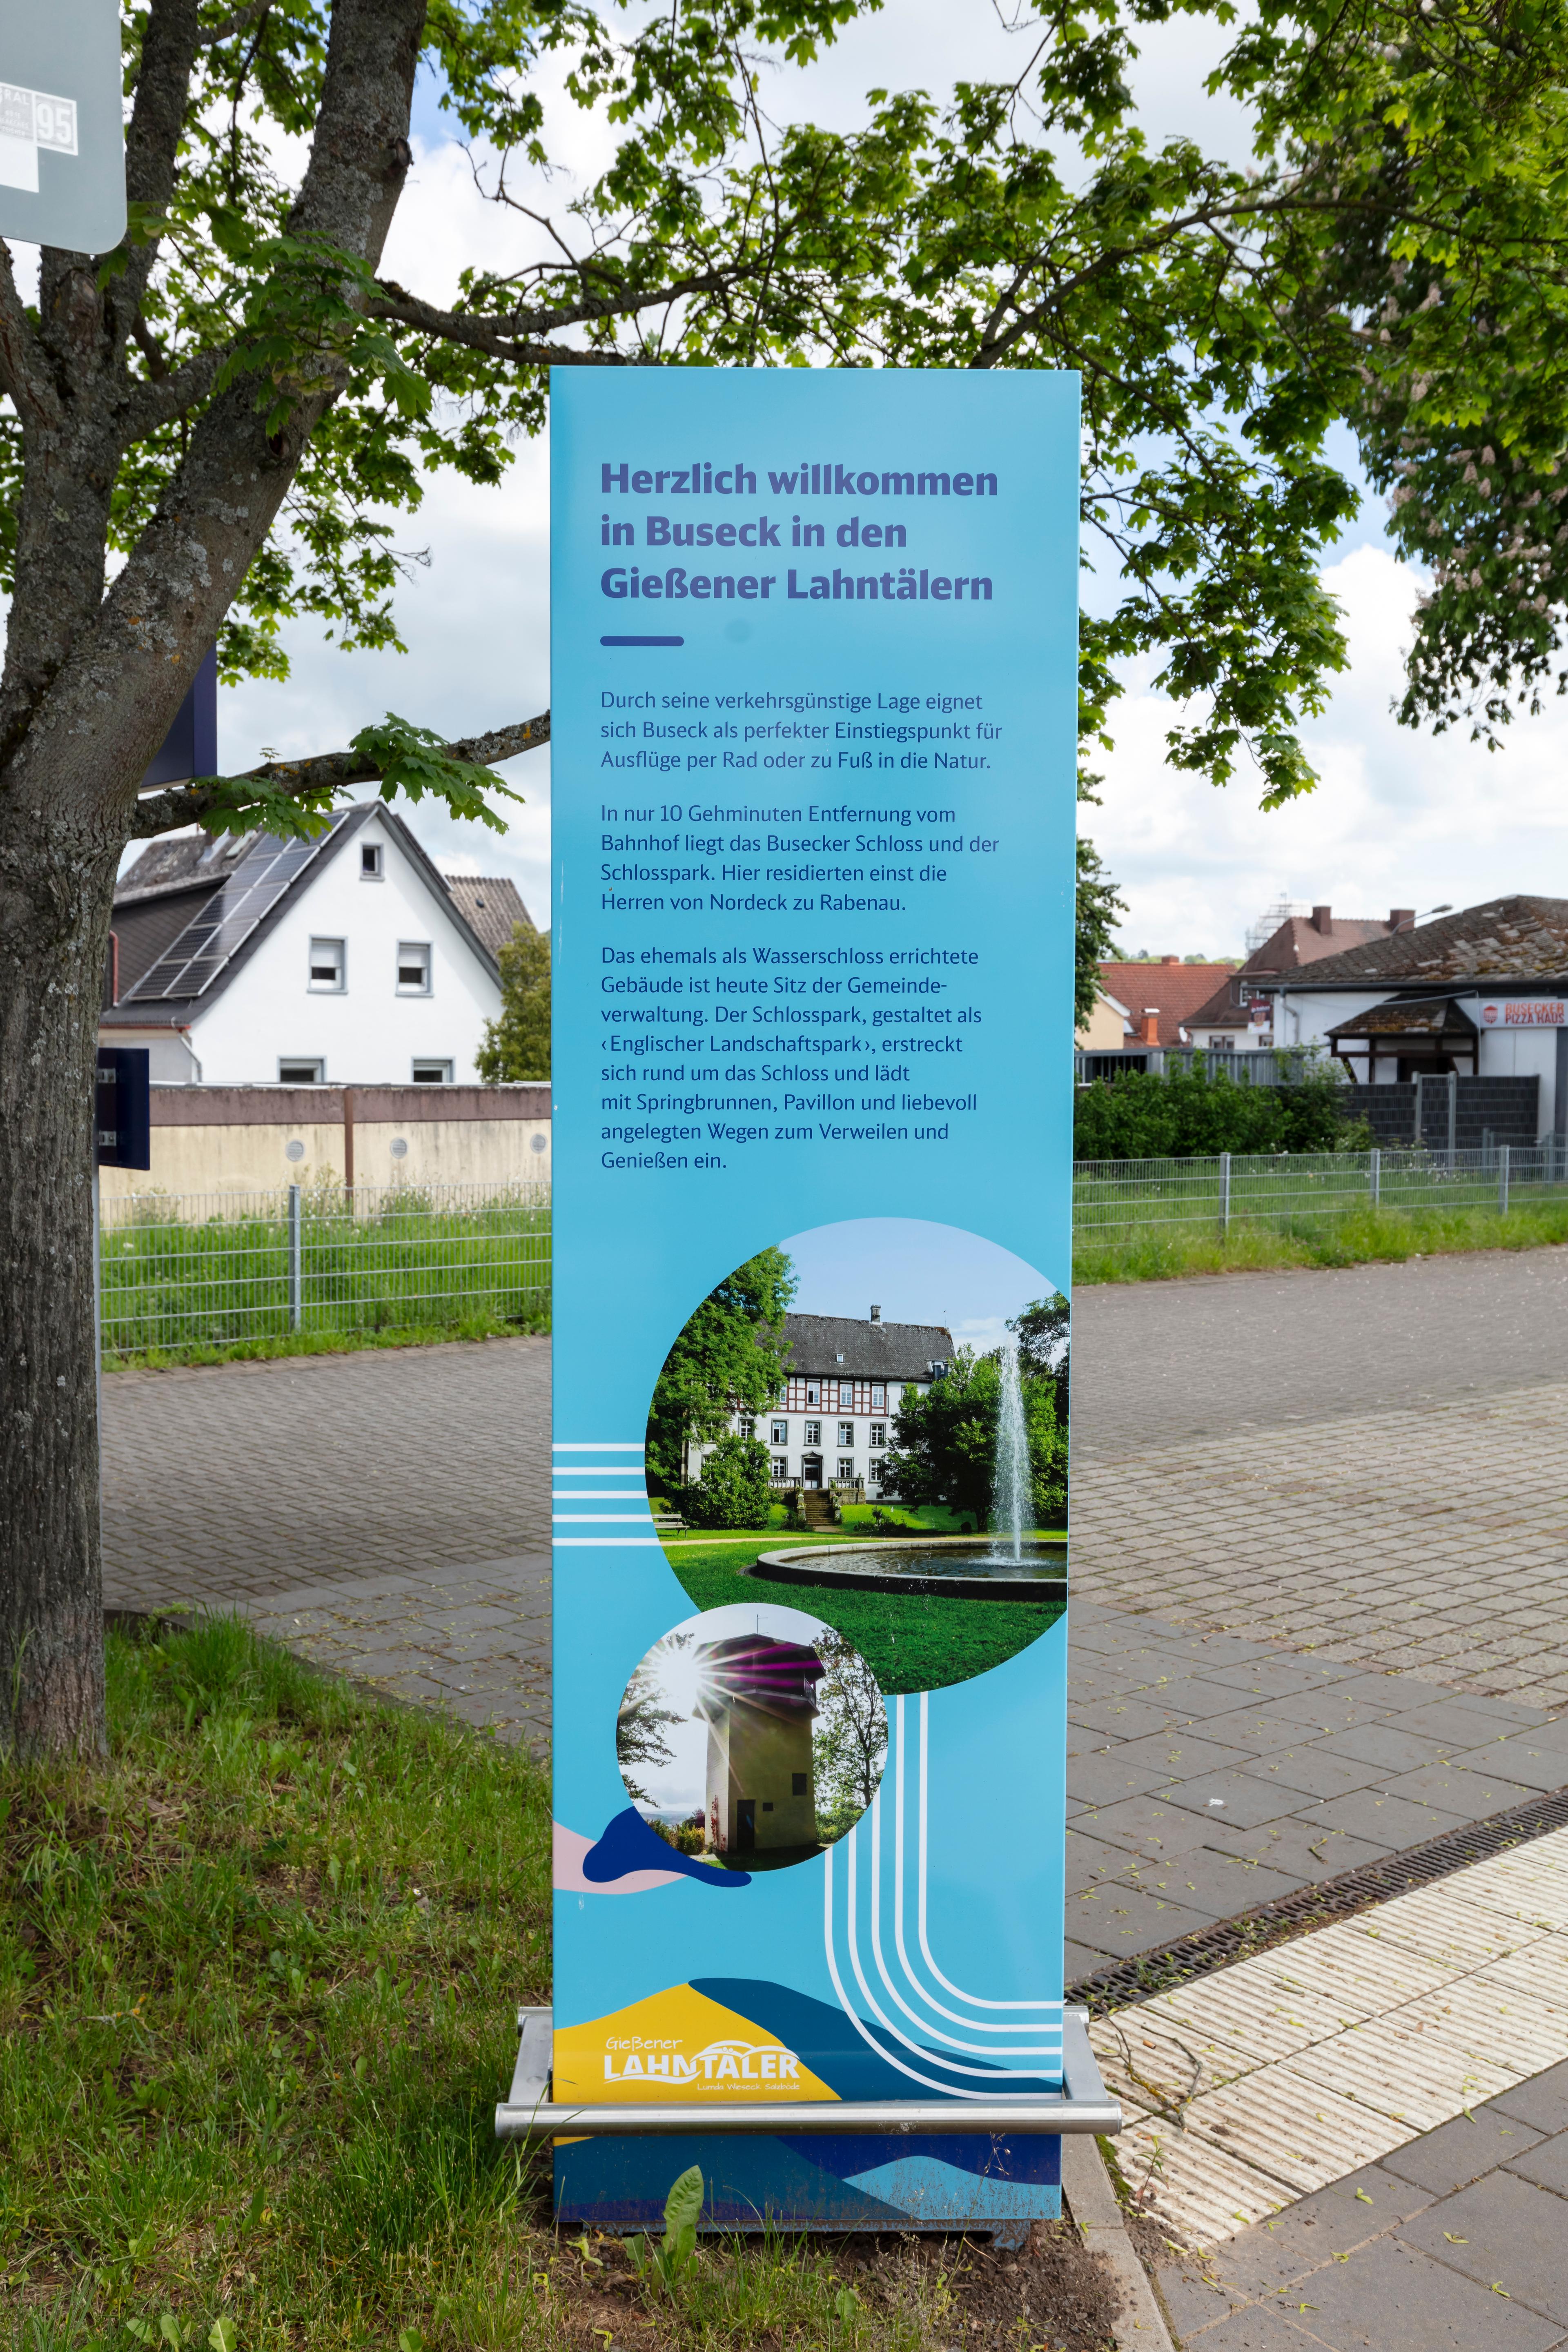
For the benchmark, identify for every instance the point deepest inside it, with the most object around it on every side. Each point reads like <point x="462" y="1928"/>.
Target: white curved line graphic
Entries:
<point x="948" y="2090"/>
<point x="945" y="1982"/>
<point x="970" y="2049"/>
<point x="931" y="2057"/>
<point x="1047" y="2025"/>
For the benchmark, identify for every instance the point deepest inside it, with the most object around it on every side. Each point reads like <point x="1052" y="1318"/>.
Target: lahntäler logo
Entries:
<point x="729" y="2061"/>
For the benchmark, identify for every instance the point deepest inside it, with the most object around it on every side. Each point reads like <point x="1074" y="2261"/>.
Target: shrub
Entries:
<point x="733" y="1491"/>
<point x="1192" y="1113"/>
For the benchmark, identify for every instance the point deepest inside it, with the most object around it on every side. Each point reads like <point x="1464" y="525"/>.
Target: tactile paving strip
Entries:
<point x="1272" y="2077"/>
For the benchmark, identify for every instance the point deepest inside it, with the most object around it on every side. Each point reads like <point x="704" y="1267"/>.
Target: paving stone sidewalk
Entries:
<point x="1453" y="2244"/>
<point x="1208" y="1774"/>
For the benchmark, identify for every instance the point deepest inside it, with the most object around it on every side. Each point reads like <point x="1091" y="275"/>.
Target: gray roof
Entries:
<point x="1521" y="938"/>
<point x="1408" y="1016"/>
<point x="869" y="1352"/>
<point x="229" y="917"/>
<point x="492" y="906"/>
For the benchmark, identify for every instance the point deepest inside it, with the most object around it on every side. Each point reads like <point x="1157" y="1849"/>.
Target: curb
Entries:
<point x="1097" y="2213"/>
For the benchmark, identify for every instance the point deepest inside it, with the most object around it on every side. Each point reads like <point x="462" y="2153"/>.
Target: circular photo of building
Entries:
<point x="874" y="1415"/>
<point x="752" y="1735"/>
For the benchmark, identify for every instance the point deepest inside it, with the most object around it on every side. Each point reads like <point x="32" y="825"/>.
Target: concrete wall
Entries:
<point x="227" y="1139"/>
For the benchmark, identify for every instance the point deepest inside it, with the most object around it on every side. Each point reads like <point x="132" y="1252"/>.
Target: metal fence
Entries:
<point x="182" y="1269"/>
<point x="1117" y="1199"/>
<point x="1258" y="1066"/>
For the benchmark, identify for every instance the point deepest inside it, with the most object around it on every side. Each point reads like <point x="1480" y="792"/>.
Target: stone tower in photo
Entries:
<point x="758" y="1698"/>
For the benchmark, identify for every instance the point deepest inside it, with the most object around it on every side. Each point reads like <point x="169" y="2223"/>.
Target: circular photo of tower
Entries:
<point x="752" y="1735"/>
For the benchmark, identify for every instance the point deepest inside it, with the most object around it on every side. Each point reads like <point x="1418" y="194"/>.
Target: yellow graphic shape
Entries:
<point x="677" y="2044"/>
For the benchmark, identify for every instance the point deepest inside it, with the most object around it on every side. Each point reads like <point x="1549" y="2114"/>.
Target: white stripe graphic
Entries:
<point x="1049" y="2026"/>
<point x="1050" y="2049"/>
<point x="600" y="1446"/>
<point x="606" y="1543"/>
<point x="948" y="2090"/>
<point x="958" y="1992"/>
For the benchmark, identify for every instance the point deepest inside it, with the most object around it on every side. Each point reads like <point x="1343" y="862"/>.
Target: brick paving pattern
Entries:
<point x="1456" y="2240"/>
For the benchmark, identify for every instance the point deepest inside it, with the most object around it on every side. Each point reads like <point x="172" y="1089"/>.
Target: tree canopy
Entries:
<point x="728" y="1359"/>
<point x="944" y="1442"/>
<point x="517" y="1044"/>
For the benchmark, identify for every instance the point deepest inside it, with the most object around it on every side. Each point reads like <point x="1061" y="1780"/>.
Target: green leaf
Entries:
<point x="223" y="2335"/>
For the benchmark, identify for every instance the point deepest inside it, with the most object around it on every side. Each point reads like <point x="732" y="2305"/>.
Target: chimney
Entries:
<point x="1170" y="958"/>
<point x="1323" y="921"/>
<point x="1150" y="1026"/>
<point x="1402" y="919"/>
<point x="876" y="1314"/>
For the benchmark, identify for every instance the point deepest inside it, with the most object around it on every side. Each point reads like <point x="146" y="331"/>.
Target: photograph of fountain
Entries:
<point x="751" y="1737"/>
<point x="881" y="1407"/>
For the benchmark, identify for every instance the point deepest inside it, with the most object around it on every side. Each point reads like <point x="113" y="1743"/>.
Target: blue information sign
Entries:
<point x="815" y="694"/>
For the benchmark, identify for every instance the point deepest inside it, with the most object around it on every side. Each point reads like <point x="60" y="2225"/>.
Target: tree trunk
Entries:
<point x="55" y="894"/>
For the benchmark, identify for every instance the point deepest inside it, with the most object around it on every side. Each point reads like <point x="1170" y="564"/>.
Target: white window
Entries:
<point x="845" y="1433"/>
<point x="878" y="1397"/>
<point x="846" y="1468"/>
<point x="780" y="1432"/>
<point x="329" y="966"/>
<point x="432" y="1073"/>
<point x="413" y="967"/>
<point x="747" y="1428"/>
<point x="879" y="1432"/>
<point x="780" y="1469"/>
<point x="291" y="1073"/>
<point x="814" y="1391"/>
<point x="813" y="1433"/>
<point x="370" y="864"/>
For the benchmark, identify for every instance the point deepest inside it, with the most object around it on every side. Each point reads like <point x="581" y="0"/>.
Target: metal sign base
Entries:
<point x="824" y="2164"/>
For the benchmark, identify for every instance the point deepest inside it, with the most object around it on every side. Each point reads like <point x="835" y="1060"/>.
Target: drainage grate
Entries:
<point x="1145" y="1974"/>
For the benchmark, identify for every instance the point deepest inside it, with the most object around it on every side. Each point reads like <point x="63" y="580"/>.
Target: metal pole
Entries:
<point x="1224" y="1193"/>
<point x="1374" y="1177"/>
<point x="1420" y="1136"/>
<point x="295" y="1287"/>
<point x="1453" y="1114"/>
<point x="1502" y="1181"/>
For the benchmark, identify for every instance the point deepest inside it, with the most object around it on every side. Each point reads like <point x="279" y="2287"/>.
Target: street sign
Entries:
<point x="121" y="1113"/>
<point x="814" y="650"/>
<point x="62" y="141"/>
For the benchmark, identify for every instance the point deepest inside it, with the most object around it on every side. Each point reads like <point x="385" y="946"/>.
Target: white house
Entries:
<point x="346" y="960"/>
<point x="845" y="1383"/>
<point x="1480" y="993"/>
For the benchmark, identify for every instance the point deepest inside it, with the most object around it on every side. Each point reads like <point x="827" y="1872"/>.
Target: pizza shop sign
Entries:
<point x="1524" y="1012"/>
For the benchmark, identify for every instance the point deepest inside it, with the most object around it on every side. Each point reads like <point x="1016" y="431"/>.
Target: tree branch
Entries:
<point x="310" y="779"/>
<point x="240" y="21"/>
<point x="503" y="337"/>
<point x="27" y="382"/>
<point x="159" y="400"/>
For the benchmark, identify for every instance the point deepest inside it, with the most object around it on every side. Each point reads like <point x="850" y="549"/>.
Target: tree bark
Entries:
<point x="55" y="898"/>
<point x="92" y="685"/>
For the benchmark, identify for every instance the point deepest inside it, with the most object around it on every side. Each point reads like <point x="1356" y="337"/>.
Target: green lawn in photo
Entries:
<point x="915" y="1644"/>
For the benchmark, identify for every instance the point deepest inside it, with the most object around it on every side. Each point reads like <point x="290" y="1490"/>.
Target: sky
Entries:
<point x="1398" y="818"/>
<point x="916" y="1271"/>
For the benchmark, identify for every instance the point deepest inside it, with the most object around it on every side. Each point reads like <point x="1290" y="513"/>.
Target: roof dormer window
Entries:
<point x="370" y="861"/>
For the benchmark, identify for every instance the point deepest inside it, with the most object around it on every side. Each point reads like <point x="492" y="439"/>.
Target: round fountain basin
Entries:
<point x="951" y="1568"/>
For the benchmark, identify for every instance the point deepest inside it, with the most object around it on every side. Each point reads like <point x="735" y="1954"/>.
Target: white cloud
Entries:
<point x="1399" y="818"/>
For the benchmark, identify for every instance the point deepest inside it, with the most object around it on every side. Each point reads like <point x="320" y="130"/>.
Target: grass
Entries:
<point x="257" y="1976"/>
<point x="321" y="1343"/>
<point x="257" y="1989"/>
<point x="171" y="1286"/>
<point x="914" y="1643"/>
<point x="1356" y="1237"/>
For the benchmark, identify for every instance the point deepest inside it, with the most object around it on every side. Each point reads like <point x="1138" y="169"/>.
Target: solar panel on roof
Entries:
<point x="211" y="938"/>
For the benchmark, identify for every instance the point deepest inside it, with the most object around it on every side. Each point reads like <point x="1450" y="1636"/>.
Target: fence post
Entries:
<point x="1453" y="1115"/>
<point x="1375" y="1178"/>
<point x="1502" y="1181"/>
<point x="296" y="1285"/>
<point x="1224" y="1193"/>
<point x="1419" y="1138"/>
